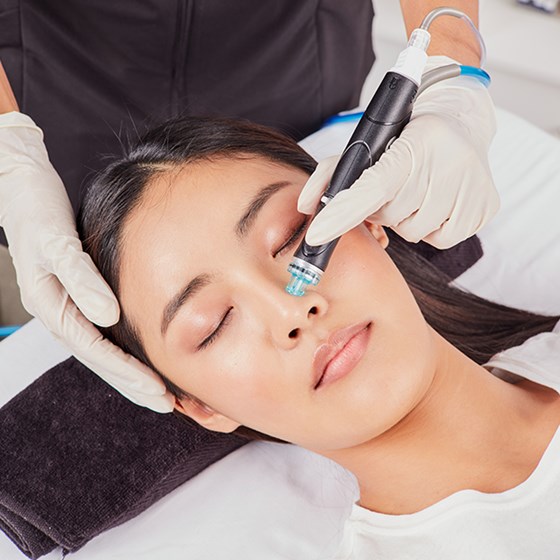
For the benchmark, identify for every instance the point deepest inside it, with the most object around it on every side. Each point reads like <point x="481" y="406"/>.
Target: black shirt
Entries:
<point x="91" y="72"/>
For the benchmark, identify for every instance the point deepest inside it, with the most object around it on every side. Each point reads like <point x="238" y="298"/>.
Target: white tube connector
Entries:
<point x="420" y="38"/>
<point x="412" y="60"/>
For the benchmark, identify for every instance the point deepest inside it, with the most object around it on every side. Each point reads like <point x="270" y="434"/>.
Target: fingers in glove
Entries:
<point x="125" y="373"/>
<point x="81" y="279"/>
<point x="446" y="235"/>
<point x="373" y="190"/>
<point x="135" y="392"/>
<point x="435" y="209"/>
<point x="316" y="185"/>
<point x="464" y="224"/>
<point x="344" y="213"/>
<point x="405" y="203"/>
<point x="421" y="224"/>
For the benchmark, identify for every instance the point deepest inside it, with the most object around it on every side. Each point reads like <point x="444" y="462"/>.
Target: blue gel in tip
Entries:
<point x="297" y="286"/>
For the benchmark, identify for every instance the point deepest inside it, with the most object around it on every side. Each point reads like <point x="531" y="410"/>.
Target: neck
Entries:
<point x="467" y="431"/>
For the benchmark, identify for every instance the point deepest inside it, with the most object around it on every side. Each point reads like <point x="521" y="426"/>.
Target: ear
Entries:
<point x="379" y="233"/>
<point x="204" y="415"/>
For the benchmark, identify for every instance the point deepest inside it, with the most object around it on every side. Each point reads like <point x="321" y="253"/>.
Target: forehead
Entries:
<point x="200" y="195"/>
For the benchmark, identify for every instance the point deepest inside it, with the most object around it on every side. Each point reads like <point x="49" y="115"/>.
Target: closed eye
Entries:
<point x="226" y="318"/>
<point x="294" y="236"/>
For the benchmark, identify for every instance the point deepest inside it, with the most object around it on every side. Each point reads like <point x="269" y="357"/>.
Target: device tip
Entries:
<point x="302" y="276"/>
<point x="297" y="286"/>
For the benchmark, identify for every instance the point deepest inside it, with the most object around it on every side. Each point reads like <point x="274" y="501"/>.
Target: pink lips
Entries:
<point x="340" y="354"/>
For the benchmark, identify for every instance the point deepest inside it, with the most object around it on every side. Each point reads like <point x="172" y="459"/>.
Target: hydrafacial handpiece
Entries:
<point x="382" y="122"/>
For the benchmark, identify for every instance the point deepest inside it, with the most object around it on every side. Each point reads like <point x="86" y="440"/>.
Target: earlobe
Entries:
<point x="204" y="415"/>
<point x="379" y="233"/>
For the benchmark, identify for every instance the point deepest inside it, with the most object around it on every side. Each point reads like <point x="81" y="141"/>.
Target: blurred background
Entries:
<point x="523" y="48"/>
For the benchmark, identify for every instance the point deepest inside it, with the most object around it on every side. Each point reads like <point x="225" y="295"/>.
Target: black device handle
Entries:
<point x="384" y="119"/>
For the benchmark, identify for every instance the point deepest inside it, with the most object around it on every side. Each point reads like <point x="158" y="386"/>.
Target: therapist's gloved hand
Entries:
<point x="433" y="184"/>
<point x="59" y="282"/>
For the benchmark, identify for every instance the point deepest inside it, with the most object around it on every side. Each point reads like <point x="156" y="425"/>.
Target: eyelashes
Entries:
<point x="295" y="235"/>
<point x="227" y="316"/>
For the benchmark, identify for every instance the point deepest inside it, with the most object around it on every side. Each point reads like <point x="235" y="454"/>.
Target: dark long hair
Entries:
<point x="477" y="327"/>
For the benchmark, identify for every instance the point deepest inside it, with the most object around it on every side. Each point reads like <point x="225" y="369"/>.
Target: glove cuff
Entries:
<point x="435" y="61"/>
<point x="17" y="119"/>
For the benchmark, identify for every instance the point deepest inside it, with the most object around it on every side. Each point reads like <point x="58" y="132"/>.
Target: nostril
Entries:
<point x="294" y="333"/>
<point x="313" y="311"/>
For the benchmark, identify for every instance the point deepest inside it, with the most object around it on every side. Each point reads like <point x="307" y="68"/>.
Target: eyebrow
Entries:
<point x="172" y="308"/>
<point x="202" y="280"/>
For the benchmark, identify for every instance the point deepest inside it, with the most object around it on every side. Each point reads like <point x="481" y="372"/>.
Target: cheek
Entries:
<point x="361" y="270"/>
<point x="235" y="375"/>
<point x="403" y="364"/>
<point x="357" y="251"/>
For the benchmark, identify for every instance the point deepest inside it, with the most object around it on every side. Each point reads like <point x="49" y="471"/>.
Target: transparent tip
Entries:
<point x="297" y="286"/>
<point x="302" y="277"/>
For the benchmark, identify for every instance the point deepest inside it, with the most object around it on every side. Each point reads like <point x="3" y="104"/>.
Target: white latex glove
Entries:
<point x="59" y="282"/>
<point x="433" y="184"/>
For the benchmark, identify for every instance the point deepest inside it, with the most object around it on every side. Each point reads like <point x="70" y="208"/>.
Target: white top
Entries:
<point x="520" y="523"/>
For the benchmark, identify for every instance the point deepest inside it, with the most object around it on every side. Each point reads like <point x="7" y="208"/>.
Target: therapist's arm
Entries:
<point x="451" y="36"/>
<point x="7" y="99"/>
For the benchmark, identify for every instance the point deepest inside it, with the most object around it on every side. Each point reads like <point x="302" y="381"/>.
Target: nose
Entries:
<point x="290" y="317"/>
<point x="283" y="318"/>
<point x="309" y="307"/>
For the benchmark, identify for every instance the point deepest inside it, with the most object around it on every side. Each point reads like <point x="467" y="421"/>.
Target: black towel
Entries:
<point x="77" y="458"/>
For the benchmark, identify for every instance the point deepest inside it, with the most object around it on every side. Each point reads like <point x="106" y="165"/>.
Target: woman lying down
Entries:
<point x="378" y="368"/>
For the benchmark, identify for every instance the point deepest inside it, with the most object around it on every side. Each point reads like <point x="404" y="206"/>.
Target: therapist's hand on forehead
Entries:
<point x="433" y="184"/>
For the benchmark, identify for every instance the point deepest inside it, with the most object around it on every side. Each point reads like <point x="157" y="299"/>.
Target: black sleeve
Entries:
<point x="92" y="72"/>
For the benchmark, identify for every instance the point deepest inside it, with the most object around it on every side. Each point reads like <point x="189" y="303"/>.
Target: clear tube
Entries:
<point x="429" y="19"/>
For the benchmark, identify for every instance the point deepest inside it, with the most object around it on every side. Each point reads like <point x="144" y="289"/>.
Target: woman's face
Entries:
<point x="204" y="267"/>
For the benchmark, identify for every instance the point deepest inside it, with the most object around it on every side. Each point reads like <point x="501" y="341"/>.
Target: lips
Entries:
<point x="340" y="354"/>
